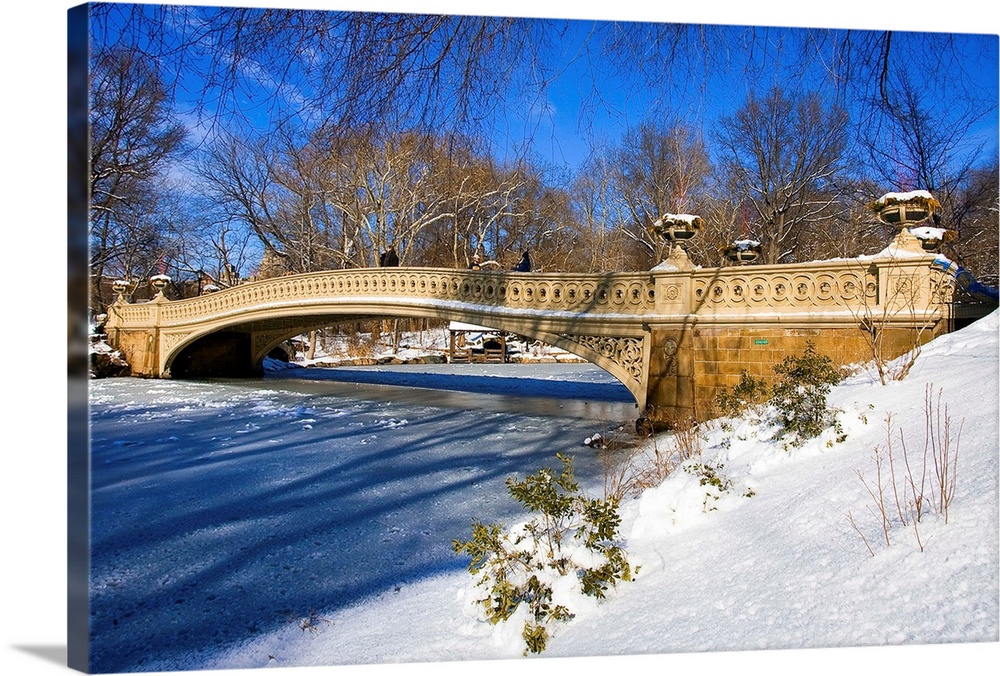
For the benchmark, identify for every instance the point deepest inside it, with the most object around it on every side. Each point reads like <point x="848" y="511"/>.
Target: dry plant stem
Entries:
<point x="900" y="504"/>
<point x="881" y="495"/>
<point x="640" y="469"/>
<point x="918" y="497"/>
<point x="877" y="494"/>
<point x="929" y="493"/>
<point x="918" y="490"/>
<point x="850" y="517"/>
<point x="619" y="468"/>
<point x="916" y="534"/>
<point x="944" y="455"/>
<point x="688" y="440"/>
<point x="616" y="473"/>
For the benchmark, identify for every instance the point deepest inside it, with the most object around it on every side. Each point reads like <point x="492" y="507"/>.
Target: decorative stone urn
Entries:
<point x="159" y="282"/>
<point x="676" y="227"/>
<point x="743" y="251"/>
<point x="119" y="286"/>
<point x="932" y="238"/>
<point x="902" y="209"/>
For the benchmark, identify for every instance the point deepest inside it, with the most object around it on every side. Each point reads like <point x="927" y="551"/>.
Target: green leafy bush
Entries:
<point x="798" y="397"/>
<point x="749" y="393"/>
<point x="516" y="568"/>
<point x="712" y="477"/>
<point x="800" y="394"/>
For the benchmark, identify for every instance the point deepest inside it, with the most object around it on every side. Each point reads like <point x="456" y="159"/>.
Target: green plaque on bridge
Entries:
<point x="760" y="341"/>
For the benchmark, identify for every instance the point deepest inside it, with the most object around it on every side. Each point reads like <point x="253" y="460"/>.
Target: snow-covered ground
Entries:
<point x="784" y="568"/>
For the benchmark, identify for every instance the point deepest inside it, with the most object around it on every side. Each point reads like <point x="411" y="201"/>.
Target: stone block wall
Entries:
<point x="139" y="349"/>
<point x="720" y="355"/>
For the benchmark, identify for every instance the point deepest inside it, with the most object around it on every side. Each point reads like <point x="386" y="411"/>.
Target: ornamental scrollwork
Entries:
<point x="626" y="352"/>
<point x="262" y="341"/>
<point x="747" y="289"/>
<point x="619" y="293"/>
<point x="942" y="288"/>
<point x="171" y="340"/>
<point x="670" y="349"/>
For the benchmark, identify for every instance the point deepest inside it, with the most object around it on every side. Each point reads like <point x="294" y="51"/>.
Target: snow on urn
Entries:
<point x="931" y="238"/>
<point x="903" y="209"/>
<point x="119" y="286"/>
<point x="743" y="251"/>
<point x="676" y="227"/>
<point x="159" y="282"/>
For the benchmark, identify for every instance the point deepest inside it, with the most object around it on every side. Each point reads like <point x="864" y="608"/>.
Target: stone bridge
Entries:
<point x="675" y="336"/>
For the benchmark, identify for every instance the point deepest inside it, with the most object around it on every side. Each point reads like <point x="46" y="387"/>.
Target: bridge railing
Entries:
<point x="898" y="289"/>
<point x="903" y="288"/>
<point x="629" y="294"/>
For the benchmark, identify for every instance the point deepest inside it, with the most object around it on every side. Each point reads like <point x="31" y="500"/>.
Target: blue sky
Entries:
<point x="556" y="121"/>
<point x="563" y="137"/>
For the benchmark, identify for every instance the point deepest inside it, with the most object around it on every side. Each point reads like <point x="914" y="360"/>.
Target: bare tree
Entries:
<point x="593" y="203"/>
<point x="539" y="221"/>
<point x="339" y="200"/>
<point x="655" y="169"/>
<point x="212" y="248"/>
<point x="344" y="70"/>
<point x="973" y="215"/>
<point x="915" y="143"/>
<point x="237" y="176"/>
<point x="671" y="64"/>
<point x="659" y="169"/>
<point x="320" y="81"/>
<point x="457" y="73"/>
<point x="133" y="138"/>
<point x="782" y="157"/>
<point x="851" y="229"/>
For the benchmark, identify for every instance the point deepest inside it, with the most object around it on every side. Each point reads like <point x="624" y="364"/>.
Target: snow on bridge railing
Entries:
<point x="848" y="286"/>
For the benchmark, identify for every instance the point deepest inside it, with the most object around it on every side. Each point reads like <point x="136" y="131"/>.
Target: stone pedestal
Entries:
<point x="670" y="385"/>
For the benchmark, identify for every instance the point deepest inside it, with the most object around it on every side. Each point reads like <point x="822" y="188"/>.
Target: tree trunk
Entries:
<point x="311" y="353"/>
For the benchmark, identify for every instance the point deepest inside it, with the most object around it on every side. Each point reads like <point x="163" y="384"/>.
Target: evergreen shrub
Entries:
<point x="798" y="398"/>
<point x="800" y="394"/>
<point x="517" y="568"/>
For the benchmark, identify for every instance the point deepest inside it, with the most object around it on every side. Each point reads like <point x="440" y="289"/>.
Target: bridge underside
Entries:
<point x="238" y="349"/>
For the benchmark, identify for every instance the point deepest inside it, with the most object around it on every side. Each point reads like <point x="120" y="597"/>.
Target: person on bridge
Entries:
<point x="476" y="263"/>
<point x="389" y="259"/>
<point x="525" y="264"/>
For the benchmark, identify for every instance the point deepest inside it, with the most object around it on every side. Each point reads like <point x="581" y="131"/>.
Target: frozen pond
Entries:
<point x="225" y="509"/>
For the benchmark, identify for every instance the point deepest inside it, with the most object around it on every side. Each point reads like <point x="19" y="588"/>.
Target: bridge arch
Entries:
<point x="238" y="344"/>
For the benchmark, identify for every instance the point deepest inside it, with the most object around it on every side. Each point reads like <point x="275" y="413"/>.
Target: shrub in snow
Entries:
<point x="749" y="394"/>
<point x="797" y="400"/>
<point x="800" y="395"/>
<point x="712" y="479"/>
<point x="533" y="571"/>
